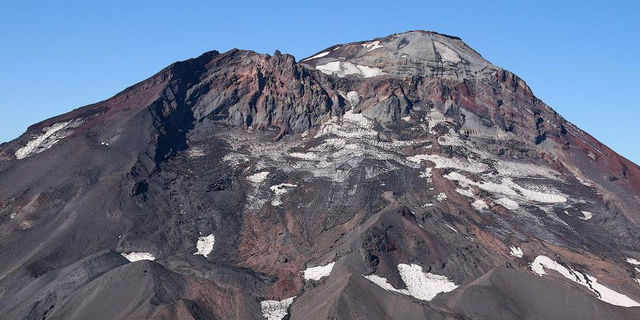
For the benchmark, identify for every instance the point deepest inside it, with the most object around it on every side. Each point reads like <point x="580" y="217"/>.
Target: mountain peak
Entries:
<point x="403" y="172"/>
<point x="410" y="53"/>
<point x="426" y="32"/>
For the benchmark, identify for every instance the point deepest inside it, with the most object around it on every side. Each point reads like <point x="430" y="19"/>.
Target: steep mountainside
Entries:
<point x="404" y="177"/>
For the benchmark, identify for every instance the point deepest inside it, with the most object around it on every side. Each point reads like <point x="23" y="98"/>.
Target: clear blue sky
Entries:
<point x="580" y="57"/>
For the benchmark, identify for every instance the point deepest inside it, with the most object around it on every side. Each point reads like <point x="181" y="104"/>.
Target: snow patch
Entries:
<point x="342" y="69"/>
<point x="453" y="163"/>
<point x="446" y="53"/>
<point x="384" y="284"/>
<point x="435" y="118"/>
<point x="279" y="190"/>
<point x="205" y="245"/>
<point x="516" y="252"/>
<point x="586" y="215"/>
<point x="633" y="261"/>
<point x="353" y="98"/>
<point x="506" y="186"/>
<point x="465" y="192"/>
<point x="452" y="138"/>
<point x="426" y="174"/>
<point x="441" y="196"/>
<point x="50" y="136"/>
<point x="282" y="188"/>
<point x="304" y="156"/>
<point x="508" y="203"/>
<point x="524" y="170"/>
<point x="319" y="272"/>
<point x="235" y="159"/>
<point x="603" y="293"/>
<point x="258" y="177"/>
<point x="137" y="256"/>
<point x="274" y="309"/>
<point x="359" y="119"/>
<point x="536" y="196"/>
<point x="420" y="285"/>
<point x="424" y="285"/>
<point x="479" y="205"/>
<point x="319" y="55"/>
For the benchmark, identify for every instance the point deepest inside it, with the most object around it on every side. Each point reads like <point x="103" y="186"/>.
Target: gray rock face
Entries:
<point x="403" y="177"/>
<point x="413" y="53"/>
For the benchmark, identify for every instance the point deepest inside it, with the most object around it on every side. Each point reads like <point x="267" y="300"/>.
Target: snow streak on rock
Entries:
<point x="372" y="45"/>
<point x="516" y="252"/>
<point x="319" y="55"/>
<point x="603" y="293"/>
<point x="633" y="261"/>
<point x="137" y="256"/>
<point x="50" y="136"/>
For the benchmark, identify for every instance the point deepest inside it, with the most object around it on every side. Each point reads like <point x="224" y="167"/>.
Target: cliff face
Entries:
<point x="403" y="177"/>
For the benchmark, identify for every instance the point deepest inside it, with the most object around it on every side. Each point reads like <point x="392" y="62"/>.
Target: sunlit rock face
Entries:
<point x="402" y="177"/>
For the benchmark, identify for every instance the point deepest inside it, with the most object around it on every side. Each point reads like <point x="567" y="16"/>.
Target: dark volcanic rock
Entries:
<point x="404" y="177"/>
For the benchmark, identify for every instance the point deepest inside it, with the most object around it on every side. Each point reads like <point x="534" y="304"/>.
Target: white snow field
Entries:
<point x="319" y="272"/>
<point x="345" y="68"/>
<point x="420" y="285"/>
<point x="204" y="245"/>
<point x="274" y="309"/>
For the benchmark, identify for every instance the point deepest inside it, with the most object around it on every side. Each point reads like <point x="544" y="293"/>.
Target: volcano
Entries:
<point x="404" y="177"/>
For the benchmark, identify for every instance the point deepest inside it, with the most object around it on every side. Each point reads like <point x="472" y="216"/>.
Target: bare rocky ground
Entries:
<point x="404" y="177"/>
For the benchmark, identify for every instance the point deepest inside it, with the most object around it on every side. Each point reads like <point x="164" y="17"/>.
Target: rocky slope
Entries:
<point x="404" y="177"/>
